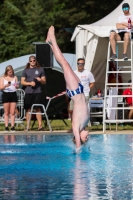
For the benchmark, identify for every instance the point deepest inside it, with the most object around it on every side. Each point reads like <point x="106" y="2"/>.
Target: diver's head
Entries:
<point x="84" y="136"/>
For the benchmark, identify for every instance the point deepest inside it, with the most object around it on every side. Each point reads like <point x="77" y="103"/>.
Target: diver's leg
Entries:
<point x="70" y="77"/>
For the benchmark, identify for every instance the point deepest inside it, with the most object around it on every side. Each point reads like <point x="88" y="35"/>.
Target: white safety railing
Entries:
<point x="126" y="69"/>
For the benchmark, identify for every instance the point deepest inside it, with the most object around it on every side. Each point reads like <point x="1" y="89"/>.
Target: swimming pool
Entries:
<point x="46" y="168"/>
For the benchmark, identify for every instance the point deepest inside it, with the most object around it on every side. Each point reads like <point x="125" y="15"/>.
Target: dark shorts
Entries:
<point x="30" y="99"/>
<point x="121" y="34"/>
<point x="8" y="97"/>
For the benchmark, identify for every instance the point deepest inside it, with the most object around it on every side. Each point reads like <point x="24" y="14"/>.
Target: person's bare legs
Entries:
<point x="27" y="118"/>
<point x="130" y="115"/>
<point x="126" y="42"/>
<point x="71" y="114"/>
<point x="70" y="110"/>
<point x="6" y="113"/>
<point x="71" y="79"/>
<point x="113" y="38"/>
<point x="12" y="113"/>
<point x="39" y="118"/>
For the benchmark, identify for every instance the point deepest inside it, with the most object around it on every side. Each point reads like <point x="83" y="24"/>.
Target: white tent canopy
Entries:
<point x="92" y="43"/>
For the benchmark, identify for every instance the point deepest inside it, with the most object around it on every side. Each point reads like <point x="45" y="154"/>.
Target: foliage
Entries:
<point x="23" y="22"/>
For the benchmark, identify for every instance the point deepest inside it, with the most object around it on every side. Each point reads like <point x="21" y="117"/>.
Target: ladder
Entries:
<point x="126" y="68"/>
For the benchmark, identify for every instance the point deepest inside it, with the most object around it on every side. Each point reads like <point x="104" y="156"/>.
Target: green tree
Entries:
<point x="23" y="22"/>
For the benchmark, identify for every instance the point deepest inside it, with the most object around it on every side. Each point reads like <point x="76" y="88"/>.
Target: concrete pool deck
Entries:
<point x="64" y="132"/>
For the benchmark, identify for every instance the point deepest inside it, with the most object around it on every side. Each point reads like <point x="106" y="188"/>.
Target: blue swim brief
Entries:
<point x="71" y="93"/>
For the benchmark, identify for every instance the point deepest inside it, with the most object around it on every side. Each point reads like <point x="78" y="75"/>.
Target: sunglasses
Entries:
<point x="80" y="64"/>
<point x="32" y="60"/>
<point x="127" y="8"/>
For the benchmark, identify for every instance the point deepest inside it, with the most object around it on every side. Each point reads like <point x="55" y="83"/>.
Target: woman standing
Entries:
<point x="9" y="84"/>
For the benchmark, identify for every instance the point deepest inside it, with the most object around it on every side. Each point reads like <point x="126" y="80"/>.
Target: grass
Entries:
<point x="58" y="124"/>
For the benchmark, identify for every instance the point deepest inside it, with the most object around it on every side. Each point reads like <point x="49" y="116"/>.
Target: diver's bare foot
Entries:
<point x="50" y="35"/>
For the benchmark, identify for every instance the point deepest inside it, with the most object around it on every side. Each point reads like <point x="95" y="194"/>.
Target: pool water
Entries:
<point x="46" y="168"/>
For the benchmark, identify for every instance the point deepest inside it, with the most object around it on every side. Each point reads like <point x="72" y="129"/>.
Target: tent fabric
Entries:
<point x="101" y="31"/>
<point x="112" y="103"/>
<point x="92" y="43"/>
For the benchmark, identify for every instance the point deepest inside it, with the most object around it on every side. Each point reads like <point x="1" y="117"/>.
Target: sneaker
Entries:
<point x="113" y="57"/>
<point x="125" y="57"/>
<point x="6" y="129"/>
<point x="13" y="129"/>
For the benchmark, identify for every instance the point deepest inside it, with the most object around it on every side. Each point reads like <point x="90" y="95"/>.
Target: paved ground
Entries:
<point x="63" y="132"/>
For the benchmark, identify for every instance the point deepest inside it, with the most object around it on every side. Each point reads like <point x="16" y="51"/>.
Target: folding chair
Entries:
<point x="42" y="113"/>
<point x="96" y="108"/>
<point x="49" y="101"/>
<point x="44" y="109"/>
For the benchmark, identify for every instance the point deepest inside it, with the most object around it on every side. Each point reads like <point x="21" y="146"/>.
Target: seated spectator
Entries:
<point x="129" y="100"/>
<point x="123" y="32"/>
